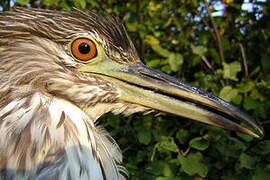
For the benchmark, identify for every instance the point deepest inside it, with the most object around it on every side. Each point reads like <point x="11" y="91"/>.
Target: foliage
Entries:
<point x="179" y="38"/>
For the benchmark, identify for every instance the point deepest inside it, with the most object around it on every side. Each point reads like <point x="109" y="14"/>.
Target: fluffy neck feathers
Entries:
<point x="50" y="137"/>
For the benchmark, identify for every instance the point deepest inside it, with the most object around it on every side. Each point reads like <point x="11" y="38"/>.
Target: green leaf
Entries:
<point x="168" y="144"/>
<point x="156" y="168"/>
<point x="93" y="3"/>
<point x="132" y="27"/>
<point x="23" y="2"/>
<point x="153" y="63"/>
<point x="246" y="87"/>
<point x="228" y="93"/>
<point x="237" y="99"/>
<point x="168" y="178"/>
<point x="213" y="52"/>
<point x="192" y="164"/>
<point x="225" y="43"/>
<point x="262" y="148"/>
<point x="260" y="174"/>
<point x="144" y="136"/>
<point x="199" y="143"/>
<point x="141" y="155"/>
<point x="154" y="43"/>
<point x="80" y="4"/>
<point x="265" y="60"/>
<point x="193" y="61"/>
<point x="167" y="171"/>
<point x="161" y="51"/>
<point x="160" y="168"/>
<point x="113" y="120"/>
<point x="247" y="161"/>
<point x="154" y="6"/>
<point x="166" y="69"/>
<point x="50" y="3"/>
<point x="245" y="137"/>
<point x="255" y="94"/>
<point x="151" y="40"/>
<point x="231" y="147"/>
<point x="175" y="60"/>
<point x="182" y="135"/>
<point x="198" y="50"/>
<point x="250" y="104"/>
<point x="65" y="6"/>
<point x="231" y="70"/>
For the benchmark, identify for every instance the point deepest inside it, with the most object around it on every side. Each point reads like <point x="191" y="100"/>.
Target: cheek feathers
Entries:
<point x="83" y="91"/>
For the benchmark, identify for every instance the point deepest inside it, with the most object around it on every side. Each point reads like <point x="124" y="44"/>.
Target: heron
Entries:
<point x="60" y="71"/>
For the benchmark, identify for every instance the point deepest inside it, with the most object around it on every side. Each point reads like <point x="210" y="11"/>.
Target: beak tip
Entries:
<point x="258" y="135"/>
<point x="260" y="130"/>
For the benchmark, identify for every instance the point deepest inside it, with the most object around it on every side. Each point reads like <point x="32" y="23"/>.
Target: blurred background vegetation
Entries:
<point x="222" y="47"/>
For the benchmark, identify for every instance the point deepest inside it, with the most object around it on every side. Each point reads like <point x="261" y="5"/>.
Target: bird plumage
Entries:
<point x="48" y="108"/>
<point x="52" y="138"/>
<point x="50" y="100"/>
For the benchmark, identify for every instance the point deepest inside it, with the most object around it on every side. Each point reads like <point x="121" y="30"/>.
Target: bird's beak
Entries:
<point x="145" y="86"/>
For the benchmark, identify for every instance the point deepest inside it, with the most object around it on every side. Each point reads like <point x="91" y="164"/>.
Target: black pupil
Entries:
<point x="84" y="48"/>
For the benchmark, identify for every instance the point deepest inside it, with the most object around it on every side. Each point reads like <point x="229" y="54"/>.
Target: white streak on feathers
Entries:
<point x="83" y="152"/>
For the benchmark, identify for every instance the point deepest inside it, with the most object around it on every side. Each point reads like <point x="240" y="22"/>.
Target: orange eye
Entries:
<point x="83" y="49"/>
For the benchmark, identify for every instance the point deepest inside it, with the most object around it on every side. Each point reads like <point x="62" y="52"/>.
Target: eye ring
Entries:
<point x="83" y="49"/>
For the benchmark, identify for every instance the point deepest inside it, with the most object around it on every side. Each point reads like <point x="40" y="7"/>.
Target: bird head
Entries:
<point x="90" y="61"/>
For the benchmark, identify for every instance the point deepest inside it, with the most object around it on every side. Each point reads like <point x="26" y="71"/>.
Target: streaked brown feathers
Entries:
<point x="47" y="107"/>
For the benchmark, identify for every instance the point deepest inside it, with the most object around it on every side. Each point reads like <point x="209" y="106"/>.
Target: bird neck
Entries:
<point x="47" y="136"/>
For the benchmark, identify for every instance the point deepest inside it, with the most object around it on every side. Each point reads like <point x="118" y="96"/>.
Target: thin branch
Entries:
<point x="244" y="59"/>
<point x="207" y="63"/>
<point x="220" y="48"/>
<point x="184" y="153"/>
<point x="211" y="67"/>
